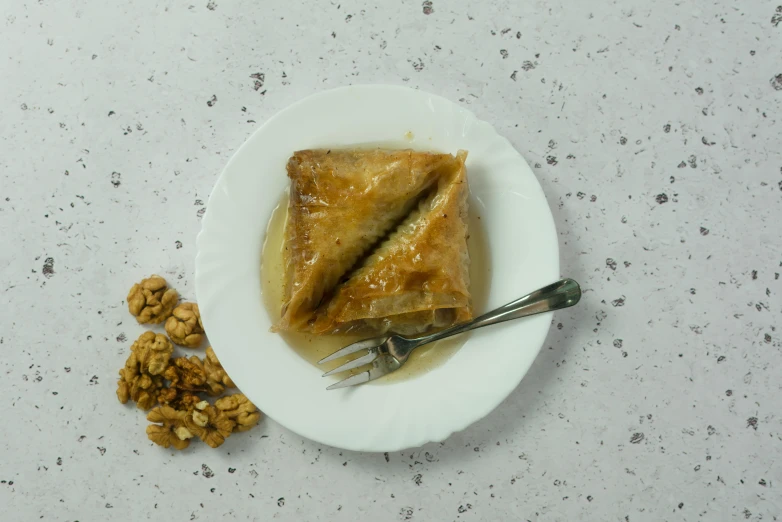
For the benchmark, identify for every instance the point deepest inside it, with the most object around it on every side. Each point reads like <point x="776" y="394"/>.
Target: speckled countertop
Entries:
<point x="654" y="129"/>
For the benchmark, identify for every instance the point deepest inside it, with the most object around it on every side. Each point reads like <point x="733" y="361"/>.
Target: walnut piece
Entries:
<point x="152" y="352"/>
<point x="184" y="327"/>
<point x="209" y="424"/>
<point x="193" y="374"/>
<point x="141" y="388"/>
<point x="140" y="379"/>
<point x="170" y="429"/>
<point x="239" y="409"/>
<point x="187" y="373"/>
<point x="182" y="400"/>
<point x="151" y="301"/>
<point x="215" y="371"/>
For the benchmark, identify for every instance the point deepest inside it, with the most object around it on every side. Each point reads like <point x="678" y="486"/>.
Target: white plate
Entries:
<point x="524" y="256"/>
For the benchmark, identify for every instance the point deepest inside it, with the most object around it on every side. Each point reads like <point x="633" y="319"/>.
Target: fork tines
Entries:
<point x="353" y="348"/>
<point x="372" y="348"/>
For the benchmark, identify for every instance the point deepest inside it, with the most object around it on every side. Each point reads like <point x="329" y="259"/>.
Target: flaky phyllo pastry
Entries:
<point x="375" y="241"/>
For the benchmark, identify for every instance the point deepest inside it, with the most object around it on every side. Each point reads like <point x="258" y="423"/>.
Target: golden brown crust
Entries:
<point x="341" y="203"/>
<point x="419" y="277"/>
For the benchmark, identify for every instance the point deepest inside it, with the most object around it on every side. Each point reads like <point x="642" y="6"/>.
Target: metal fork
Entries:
<point x="387" y="354"/>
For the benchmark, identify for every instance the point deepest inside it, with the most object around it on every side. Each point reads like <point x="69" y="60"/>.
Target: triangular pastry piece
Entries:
<point x="419" y="277"/>
<point x="341" y="203"/>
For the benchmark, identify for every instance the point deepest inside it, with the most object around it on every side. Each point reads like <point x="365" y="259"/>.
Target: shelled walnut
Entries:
<point x="193" y="374"/>
<point x="152" y="352"/>
<point x="209" y="424"/>
<point x="140" y="379"/>
<point x="182" y="400"/>
<point x="239" y="409"/>
<point x="184" y="327"/>
<point x="141" y="388"/>
<point x="151" y="301"/>
<point x="187" y="373"/>
<point x="182" y="414"/>
<point x="169" y="428"/>
<point x="215" y="371"/>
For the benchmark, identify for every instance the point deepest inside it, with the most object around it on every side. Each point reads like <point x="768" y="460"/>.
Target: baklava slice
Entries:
<point x="342" y="202"/>
<point x="416" y="279"/>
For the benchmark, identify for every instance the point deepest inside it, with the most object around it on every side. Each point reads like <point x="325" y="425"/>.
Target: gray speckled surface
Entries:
<point x="654" y="129"/>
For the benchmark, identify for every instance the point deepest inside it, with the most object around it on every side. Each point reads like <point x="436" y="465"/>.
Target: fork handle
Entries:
<point x="556" y="296"/>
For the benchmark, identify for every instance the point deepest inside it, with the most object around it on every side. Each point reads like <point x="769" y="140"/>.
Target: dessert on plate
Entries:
<point x="375" y="241"/>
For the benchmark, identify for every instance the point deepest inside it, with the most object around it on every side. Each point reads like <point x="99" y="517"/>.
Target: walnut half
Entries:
<point x="182" y="400"/>
<point x="170" y="429"/>
<point x="196" y="375"/>
<point x="209" y="424"/>
<point x="215" y="371"/>
<point x="184" y="327"/>
<point x="152" y="352"/>
<point x="187" y="373"/>
<point x="141" y="388"/>
<point x="239" y="409"/>
<point x="140" y="379"/>
<point x="151" y="301"/>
